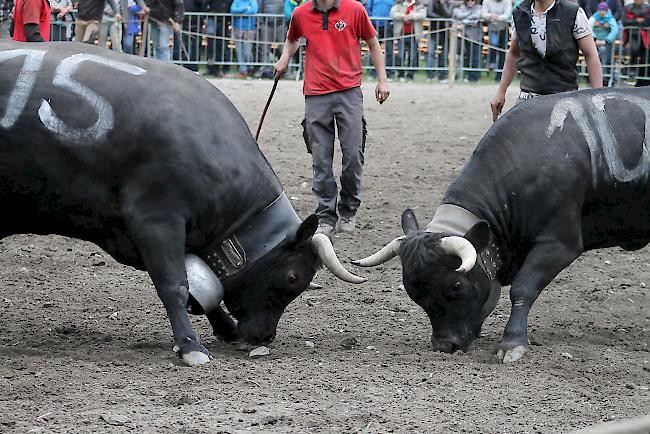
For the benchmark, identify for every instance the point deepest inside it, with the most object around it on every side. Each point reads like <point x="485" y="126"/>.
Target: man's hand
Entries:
<point x="596" y="24"/>
<point x="281" y="67"/>
<point x="497" y="104"/>
<point x="118" y="17"/>
<point x="176" y="25"/>
<point x="381" y="91"/>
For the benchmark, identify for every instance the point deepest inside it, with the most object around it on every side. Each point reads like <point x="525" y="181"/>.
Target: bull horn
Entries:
<point x="462" y="248"/>
<point x="388" y="252"/>
<point x="313" y="285"/>
<point x="322" y="246"/>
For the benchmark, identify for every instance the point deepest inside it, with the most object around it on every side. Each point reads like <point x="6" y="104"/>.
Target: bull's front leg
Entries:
<point x="223" y="325"/>
<point x="161" y="243"/>
<point x="543" y="262"/>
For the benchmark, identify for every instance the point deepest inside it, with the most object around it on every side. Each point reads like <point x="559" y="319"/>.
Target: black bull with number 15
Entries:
<point x="554" y="177"/>
<point x="157" y="167"/>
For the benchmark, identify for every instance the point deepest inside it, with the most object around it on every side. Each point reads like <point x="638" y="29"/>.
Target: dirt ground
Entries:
<point x="86" y="345"/>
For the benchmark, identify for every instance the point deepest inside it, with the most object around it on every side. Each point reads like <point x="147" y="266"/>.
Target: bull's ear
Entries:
<point x="479" y="235"/>
<point x="409" y="221"/>
<point x="302" y="232"/>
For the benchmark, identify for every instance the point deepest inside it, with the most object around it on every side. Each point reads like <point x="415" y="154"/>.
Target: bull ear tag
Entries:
<point x="204" y="285"/>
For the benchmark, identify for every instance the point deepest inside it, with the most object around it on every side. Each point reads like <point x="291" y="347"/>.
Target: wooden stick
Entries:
<point x="266" y="107"/>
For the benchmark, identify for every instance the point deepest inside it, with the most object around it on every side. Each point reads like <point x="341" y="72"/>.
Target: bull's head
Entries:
<point x="439" y="274"/>
<point x="258" y="296"/>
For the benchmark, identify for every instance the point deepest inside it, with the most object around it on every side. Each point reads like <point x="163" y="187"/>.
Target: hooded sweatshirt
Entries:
<point x="601" y="32"/>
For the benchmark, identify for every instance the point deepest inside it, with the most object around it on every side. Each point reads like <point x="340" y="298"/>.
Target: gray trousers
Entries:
<point x="4" y="29"/>
<point x="322" y="112"/>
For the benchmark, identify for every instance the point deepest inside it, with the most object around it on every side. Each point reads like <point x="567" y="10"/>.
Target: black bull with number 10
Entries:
<point x="158" y="168"/>
<point x="554" y="177"/>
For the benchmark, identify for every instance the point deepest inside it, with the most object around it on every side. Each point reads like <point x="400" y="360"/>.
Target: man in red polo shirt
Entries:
<point x="332" y="91"/>
<point x="32" y="21"/>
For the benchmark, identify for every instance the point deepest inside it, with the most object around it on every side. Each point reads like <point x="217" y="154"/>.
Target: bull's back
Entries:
<point x="582" y="151"/>
<point x="82" y="127"/>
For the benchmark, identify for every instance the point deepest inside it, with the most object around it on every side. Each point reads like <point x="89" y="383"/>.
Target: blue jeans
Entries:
<point x="408" y="48"/>
<point x="385" y="31"/>
<point x="161" y="35"/>
<point x="128" y="43"/>
<point x="471" y="59"/>
<point x="496" y="58"/>
<point x="437" y="59"/>
<point x="605" y="55"/>
<point x="244" y="47"/>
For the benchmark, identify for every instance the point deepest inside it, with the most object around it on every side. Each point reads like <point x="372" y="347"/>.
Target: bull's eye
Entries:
<point x="457" y="286"/>
<point x="293" y="279"/>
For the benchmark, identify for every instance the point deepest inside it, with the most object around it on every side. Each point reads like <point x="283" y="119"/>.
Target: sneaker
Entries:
<point x="346" y="224"/>
<point x="325" y="229"/>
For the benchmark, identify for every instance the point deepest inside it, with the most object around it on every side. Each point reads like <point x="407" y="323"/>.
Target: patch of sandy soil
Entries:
<point x="85" y="345"/>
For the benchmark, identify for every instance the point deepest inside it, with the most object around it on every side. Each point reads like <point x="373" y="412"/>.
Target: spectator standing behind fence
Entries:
<point x="61" y="20"/>
<point x="112" y="28"/>
<point x="497" y="13"/>
<point x="31" y="21"/>
<point x="438" y="49"/>
<point x="134" y="12"/>
<point x="89" y="15"/>
<point x="547" y="38"/>
<point x="637" y="18"/>
<point x="243" y="28"/>
<point x="381" y="8"/>
<point x="333" y="97"/>
<point x="6" y="6"/>
<point x="165" y="17"/>
<point x="469" y="16"/>
<point x="216" y="28"/>
<point x="605" y="29"/>
<point x="615" y="7"/>
<point x="408" y="17"/>
<point x="271" y="31"/>
<point x="187" y="43"/>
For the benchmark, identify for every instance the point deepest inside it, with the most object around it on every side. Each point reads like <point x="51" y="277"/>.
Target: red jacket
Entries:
<point x="32" y="12"/>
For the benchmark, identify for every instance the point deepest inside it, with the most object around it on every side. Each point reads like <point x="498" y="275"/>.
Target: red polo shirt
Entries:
<point x="31" y="12"/>
<point x="333" y="53"/>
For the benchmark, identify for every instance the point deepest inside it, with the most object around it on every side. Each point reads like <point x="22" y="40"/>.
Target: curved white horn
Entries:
<point x="388" y="252"/>
<point x="462" y="248"/>
<point x="322" y="246"/>
<point x="313" y="285"/>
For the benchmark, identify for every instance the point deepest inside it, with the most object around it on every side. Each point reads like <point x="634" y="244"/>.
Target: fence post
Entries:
<point x="452" y="55"/>
<point x="144" y="40"/>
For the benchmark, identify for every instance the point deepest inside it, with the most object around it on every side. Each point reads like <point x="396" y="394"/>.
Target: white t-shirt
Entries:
<point x="581" y="28"/>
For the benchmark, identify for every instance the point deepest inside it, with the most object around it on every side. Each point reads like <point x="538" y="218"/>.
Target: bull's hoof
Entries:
<point x="510" y="354"/>
<point x="193" y="353"/>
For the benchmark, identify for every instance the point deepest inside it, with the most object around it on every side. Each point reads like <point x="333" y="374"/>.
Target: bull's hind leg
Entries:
<point x="544" y="261"/>
<point x="161" y="242"/>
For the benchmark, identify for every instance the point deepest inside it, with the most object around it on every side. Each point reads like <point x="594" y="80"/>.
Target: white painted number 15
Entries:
<point x="62" y="79"/>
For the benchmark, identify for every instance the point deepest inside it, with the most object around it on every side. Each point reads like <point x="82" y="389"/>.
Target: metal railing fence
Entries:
<point x="251" y="44"/>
